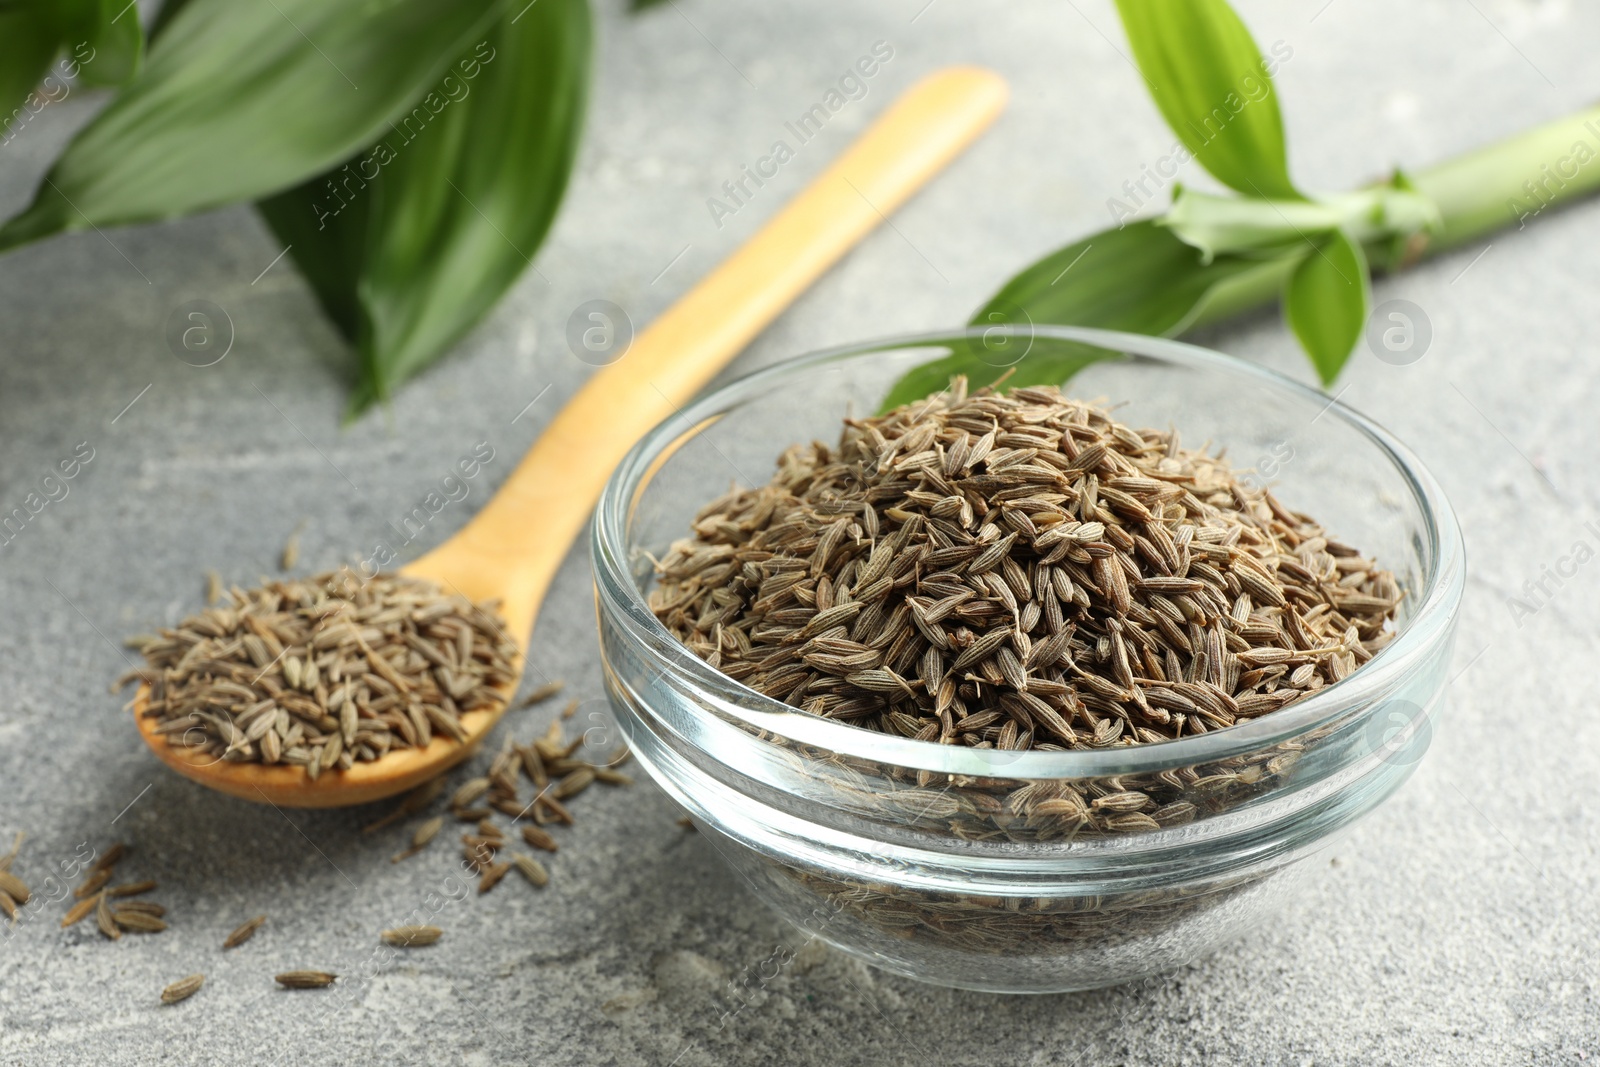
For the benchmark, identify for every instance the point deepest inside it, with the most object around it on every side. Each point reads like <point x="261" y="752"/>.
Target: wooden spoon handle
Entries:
<point x="522" y="534"/>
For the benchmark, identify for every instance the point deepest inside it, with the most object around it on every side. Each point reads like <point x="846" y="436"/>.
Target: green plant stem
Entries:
<point x="1475" y="193"/>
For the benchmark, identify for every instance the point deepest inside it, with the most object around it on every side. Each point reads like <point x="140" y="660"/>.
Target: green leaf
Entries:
<point x="413" y="241"/>
<point x="164" y="16"/>
<point x="110" y="28"/>
<point x="29" y="40"/>
<point x="328" y="249"/>
<point x="1326" y="303"/>
<point x="237" y="101"/>
<point x="466" y="211"/>
<point x="1140" y="278"/>
<point x="1214" y="89"/>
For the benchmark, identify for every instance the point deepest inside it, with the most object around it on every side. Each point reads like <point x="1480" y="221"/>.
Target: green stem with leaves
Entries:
<point x="1476" y="194"/>
<point x="1210" y="256"/>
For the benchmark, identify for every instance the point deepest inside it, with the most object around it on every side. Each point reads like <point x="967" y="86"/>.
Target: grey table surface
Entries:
<point x="1454" y="925"/>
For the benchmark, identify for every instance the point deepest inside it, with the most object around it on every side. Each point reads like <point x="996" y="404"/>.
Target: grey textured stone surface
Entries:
<point x="1455" y="925"/>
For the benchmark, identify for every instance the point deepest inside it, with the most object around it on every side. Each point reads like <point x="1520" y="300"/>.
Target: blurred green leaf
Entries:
<point x="327" y="250"/>
<point x="636" y="6"/>
<point x="30" y="36"/>
<point x="1214" y="89"/>
<point x="1140" y="278"/>
<point x="164" y="16"/>
<point x="465" y="212"/>
<point x="111" y="28"/>
<point x="1326" y="303"/>
<point x="413" y="241"/>
<point x="238" y="101"/>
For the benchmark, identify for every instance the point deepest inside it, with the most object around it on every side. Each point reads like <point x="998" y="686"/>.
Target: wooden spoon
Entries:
<point x="511" y="550"/>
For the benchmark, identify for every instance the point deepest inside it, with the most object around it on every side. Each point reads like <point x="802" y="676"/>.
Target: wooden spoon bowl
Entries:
<point x="288" y="785"/>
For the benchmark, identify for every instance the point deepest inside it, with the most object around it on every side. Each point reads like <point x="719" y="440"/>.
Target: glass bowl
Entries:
<point x="996" y="870"/>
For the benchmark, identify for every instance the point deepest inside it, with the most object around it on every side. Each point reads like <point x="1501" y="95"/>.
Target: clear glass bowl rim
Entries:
<point x="1435" y="604"/>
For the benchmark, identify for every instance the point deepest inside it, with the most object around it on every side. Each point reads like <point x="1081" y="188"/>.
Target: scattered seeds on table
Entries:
<point x="412" y="936"/>
<point x="570" y="710"/>
<point x="533" y="766"/>
<point x="111" y="857"/>
<point x="14" y="887"/>
<point x="531" y="869"/>
<point x="105" y="920"/>
<point x="503" y="770"/>
<point x="539" y="838"/>
<point x="305" y="979"/>
<point x="244" y="932"/>
<point x="509" y="806"/>
<point x="144" y="907"/>
<point x="543" y="693"/>
<point x="469" y="792"/>
<point x="182" y="989"/>
<point x="213" y="588"/>
<point x="94" y="896"/>
<point x="558" y="811"/>
<point x="479" y="851"/>
<point x="574" y="783"/>
<point x="477" y="799"/>
<point x="81" y="910"/>
<point x="93" y="884"/>
<point x="8" y="906"/>
<point x="327" y="671"/>
<point x="136" y="920"/>
<point x="419" y="840"/>
<point x="492" y="875"/>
